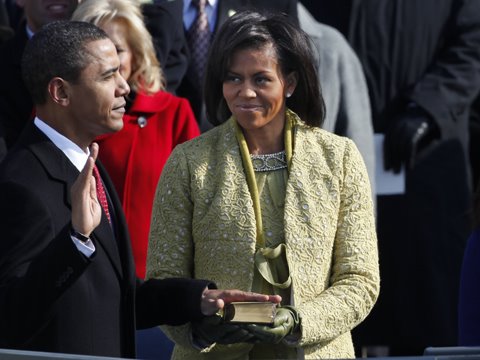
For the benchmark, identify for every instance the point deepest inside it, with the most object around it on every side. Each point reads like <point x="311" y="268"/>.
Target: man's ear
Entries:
<point x="58" y="90"/>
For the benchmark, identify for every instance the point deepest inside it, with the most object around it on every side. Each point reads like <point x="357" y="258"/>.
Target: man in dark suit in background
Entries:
<point x="15" y="102"/>
<point x="6" y="31"/>
<point x="67" y="279"/>
<point x="163" y="19"/>
<point x="217" y="12"/>
<point x="422" y="64"/>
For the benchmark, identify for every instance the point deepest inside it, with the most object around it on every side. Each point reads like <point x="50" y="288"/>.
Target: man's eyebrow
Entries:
<point x="110" y="71"/>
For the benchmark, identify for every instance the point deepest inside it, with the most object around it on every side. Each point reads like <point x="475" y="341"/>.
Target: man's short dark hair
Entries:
<point x="57" y="50"/>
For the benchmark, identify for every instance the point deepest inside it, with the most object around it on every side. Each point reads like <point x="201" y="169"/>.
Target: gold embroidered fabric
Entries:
<point x="271" y="273"/>
<point x="203" y="226"/>
<point x="271" y="189"/>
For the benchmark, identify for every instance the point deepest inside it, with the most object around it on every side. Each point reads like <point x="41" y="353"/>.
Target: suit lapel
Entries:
<point x="104" y="236"/>
<point x="52" y="158"/>
<point x="123" y="260"/>
<point x="62" y="170"/>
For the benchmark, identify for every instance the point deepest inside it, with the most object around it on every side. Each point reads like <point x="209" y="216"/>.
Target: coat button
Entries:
<point x="142" y="121"/>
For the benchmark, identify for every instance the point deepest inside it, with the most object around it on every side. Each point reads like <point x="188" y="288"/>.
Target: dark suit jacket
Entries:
<point x="189" y="88"/>
<point x="52" y="297"/>
<point x="433" y="61"/>
<point x="163" y="19"/>
<point x="15" y="100"/>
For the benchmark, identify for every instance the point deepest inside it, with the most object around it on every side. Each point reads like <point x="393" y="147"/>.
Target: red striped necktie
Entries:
<point x="101" y="195"/>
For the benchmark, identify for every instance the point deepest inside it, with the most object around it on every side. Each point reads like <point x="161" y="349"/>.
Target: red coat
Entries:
<point x="134" y="158"/>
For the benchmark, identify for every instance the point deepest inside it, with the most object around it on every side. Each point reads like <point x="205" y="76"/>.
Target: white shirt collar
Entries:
<point x="187" y="3"/>
<point x="71" y="150"/>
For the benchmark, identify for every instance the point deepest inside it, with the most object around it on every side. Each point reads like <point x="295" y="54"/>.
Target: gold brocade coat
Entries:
<point x="203" y="226"/>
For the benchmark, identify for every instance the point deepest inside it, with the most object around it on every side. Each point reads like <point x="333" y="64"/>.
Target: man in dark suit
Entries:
<point x="67" y="279"/>
<point x="6" y="32"/>
<point x="15" y="103"/>
<point x="423" y="74"/>
<point x="163" y="19"/>
<point x="218" y="11"/>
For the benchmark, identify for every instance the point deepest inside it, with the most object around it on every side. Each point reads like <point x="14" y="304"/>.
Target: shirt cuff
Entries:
<point x="87" y="248"/>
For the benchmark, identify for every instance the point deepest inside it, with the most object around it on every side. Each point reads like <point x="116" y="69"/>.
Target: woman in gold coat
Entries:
<point x="268" y="201"/>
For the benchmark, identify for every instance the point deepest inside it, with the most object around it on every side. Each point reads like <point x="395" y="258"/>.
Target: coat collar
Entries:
<point x="314" y="157"/>
<point x="146" y="104"/>
<point x="55" y="163"/>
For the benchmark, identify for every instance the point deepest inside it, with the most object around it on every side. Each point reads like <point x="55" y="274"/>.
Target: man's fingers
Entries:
<point x="211" y="306"/>
<point x="238" y="295"/>
<point x="94" y="151"/>
<point x="214" y="300"/>
<point x="219" y="304"/>
<point x="87" y="171"/>
<point x="249" y="296"/>
<point x="277" y="299"/>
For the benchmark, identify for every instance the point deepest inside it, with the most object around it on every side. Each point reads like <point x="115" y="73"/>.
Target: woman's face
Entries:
<point x="117" y="31"/>
<point x="255" y="89"/>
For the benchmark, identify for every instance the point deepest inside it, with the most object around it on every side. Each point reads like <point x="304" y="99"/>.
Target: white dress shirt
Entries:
<point x="78" y="158"/>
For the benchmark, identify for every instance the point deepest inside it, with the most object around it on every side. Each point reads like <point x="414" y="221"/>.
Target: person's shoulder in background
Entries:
<point x="163" y="19"/>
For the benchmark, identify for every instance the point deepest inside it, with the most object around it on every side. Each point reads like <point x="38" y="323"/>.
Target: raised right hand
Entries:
<point x="86" y="210"/>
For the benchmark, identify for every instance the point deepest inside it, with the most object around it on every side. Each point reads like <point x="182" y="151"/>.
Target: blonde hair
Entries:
<point x="147" y="74"/>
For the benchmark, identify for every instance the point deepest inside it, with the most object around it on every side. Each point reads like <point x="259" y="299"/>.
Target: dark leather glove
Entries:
<point x="286" y="322"/>
<point x="213" y="329"/>
<point x="407" y="135"/>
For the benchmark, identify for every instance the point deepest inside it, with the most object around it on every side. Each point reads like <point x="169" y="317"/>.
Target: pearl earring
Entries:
<point x="288" y="95"/>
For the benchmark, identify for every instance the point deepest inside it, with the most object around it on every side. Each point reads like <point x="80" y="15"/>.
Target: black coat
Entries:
<point x="426" y="52"/>
<point x="163" y="19"/>
<point x="53" y="298"/>
<point x="15" y="100"/>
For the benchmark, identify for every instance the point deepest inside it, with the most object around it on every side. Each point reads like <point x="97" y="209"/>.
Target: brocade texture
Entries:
<point x="203" y="226"/>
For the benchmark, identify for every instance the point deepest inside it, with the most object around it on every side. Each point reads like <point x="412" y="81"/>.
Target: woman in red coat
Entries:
<point x="155" y="121"/>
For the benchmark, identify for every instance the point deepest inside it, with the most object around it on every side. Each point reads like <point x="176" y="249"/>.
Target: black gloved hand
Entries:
<point x="213" y="329"/>
<point x="286" y="322"/>
<point x="407" y="135"/>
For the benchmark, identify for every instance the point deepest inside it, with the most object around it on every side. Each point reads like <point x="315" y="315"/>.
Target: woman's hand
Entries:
<point x="286" y="322"/>
<point x="213" y="329"/>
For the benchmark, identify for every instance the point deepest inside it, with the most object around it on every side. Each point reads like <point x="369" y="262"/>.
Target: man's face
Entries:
<point x="41" y="12"/>
<point x="96" y="101"/>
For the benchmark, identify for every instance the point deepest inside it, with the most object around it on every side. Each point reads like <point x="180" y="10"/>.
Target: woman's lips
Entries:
<point x="248" y="107"/>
